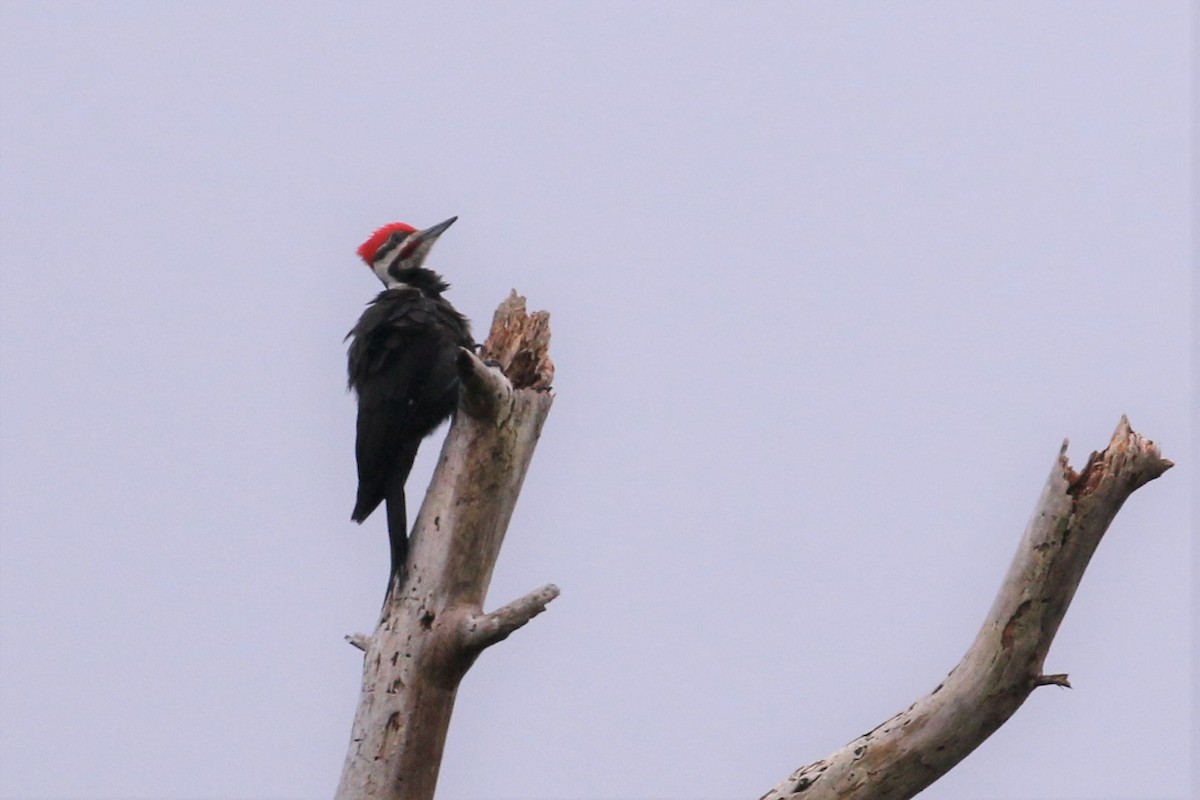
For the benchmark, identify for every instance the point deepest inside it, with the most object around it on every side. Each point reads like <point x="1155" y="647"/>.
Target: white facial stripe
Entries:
<point x="418" y="255"/>
<point x="382" y="266"/>
<point x="401" y="256"/>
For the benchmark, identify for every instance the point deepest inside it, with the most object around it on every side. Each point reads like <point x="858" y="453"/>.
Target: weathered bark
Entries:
<point x="432" y="627"/>
<point x="1001" y="669"/>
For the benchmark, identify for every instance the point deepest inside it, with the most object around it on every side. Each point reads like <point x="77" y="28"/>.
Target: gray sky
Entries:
<point x="829" y="282"/>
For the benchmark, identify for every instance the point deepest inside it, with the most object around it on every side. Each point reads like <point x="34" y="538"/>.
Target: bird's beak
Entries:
<point x="431" y="233"/>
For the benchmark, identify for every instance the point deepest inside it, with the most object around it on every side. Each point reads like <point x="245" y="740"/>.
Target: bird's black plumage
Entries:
<point x="402" y="366"/>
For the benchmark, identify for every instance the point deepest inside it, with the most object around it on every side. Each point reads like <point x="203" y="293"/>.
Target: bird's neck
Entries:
<point x="423" y="280"/>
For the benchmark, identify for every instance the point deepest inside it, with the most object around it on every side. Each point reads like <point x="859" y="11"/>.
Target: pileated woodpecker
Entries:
<point x="402" y="366"/>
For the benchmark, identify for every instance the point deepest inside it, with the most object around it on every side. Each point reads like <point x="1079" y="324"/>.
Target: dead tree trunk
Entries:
<point x="432" y="627"/>
<point x="911" y="750"/>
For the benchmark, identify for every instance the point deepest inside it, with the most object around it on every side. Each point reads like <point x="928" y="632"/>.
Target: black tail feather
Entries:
<point x="397" y="524"/>
<point x="397" y="513"/>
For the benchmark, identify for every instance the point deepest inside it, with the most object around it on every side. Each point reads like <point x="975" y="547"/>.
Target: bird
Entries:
<point x="402" y="367"/>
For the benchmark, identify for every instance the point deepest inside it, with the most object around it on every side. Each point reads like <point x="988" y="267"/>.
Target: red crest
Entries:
<point x="367" y="249"/>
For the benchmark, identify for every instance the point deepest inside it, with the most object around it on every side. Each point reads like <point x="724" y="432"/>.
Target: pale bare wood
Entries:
<point x="1001" y="669"/>
<point x="432" y="627"/>
<point x="484" y="630"/>
<point x="520" y="344"/>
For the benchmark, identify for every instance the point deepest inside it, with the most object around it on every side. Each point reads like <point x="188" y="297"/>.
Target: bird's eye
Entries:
<point x="389" y="244"/>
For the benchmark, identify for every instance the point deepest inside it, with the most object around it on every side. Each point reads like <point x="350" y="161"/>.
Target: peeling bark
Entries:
<point x="1003" y="666"/>
<point x="432" y="627"/>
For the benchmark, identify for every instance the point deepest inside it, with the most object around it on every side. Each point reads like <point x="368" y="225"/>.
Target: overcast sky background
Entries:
<point x="830" y="283"/>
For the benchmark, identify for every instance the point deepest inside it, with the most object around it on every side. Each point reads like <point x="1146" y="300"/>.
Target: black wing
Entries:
<point x="402" y="365"/>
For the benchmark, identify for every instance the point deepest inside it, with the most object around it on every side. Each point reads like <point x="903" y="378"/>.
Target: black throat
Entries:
<point x="427" y="281"/>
